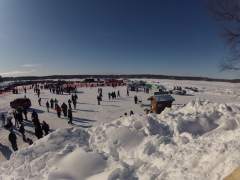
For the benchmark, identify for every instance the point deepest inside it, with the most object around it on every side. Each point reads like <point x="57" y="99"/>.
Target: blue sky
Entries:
<point x="45" y="37"/>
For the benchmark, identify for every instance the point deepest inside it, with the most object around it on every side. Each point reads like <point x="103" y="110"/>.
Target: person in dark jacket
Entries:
<point x="34" y="115"/>
<point x="56" y="103"/>
<point x="40" y="101"/>
<point x="52" y="103"/>
<point x="22" y="131"/>
<point x="20" y="115"/>
<point x="64" y="109"/>
<point x="45" y="128"/>
<point x="38" y="93"/>
<point x="72" y="97"/>
<point x="58" y="110"/>
<point x="135" y="99"/>
<point x="75" y="103"/>
<point x="25" y="113"/>
<point x="131" y="113"/>
<point x="47" y="105"/>
<point x="76" y="96"/>
<point x="70" y="116"/>
<point x="9" y="124"/>
<point x="29" y="141"/>
<point x="69" y="104"/>
<point x="13" y="140"/>
<point x="16" y="118"/>
<point x="38" y="130"/>
<point x="98" y="100"/>
<point x="3" y="118"/>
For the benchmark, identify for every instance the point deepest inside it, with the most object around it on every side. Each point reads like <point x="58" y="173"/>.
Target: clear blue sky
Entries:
<point x="44" y="37"/>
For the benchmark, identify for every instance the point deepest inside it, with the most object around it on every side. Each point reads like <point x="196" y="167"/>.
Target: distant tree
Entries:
<point x="228" y="13"/>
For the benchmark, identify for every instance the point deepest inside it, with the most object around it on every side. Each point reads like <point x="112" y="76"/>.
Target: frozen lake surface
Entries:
<point x="198" y="138"/>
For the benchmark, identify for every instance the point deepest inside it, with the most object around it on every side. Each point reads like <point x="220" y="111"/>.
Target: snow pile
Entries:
<point x="79" y="164"/>
<point x="197" y="141"/>
<point x="36" y="161"/>
<point x="176" y="143"/>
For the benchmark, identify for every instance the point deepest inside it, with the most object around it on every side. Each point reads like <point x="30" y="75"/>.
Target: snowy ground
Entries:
<point x="197" y="141"/>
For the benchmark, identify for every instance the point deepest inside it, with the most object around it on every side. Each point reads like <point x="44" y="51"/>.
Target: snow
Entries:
<point x="79" y="165"/>
<point x="198" y="138"/>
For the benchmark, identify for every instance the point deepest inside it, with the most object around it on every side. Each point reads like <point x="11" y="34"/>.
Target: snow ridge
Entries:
<point x="196" y="141"/>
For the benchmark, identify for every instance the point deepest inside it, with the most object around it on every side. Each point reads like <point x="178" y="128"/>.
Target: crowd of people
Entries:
<point x="20" y="117"/>
<point x="113" y="95"/>
<point x="65" y="109"/>
<point x="60" y="89"/>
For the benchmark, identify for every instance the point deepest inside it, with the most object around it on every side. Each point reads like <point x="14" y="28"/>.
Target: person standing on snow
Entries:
<point x="38" y="93"/>
<point x="20" y="115"/>
<point x="16" y="118"/>
<point x="56" y="103"/>
<point x="74" y="100"/>
<point x="25" y="113"/>
<point x="47" y="105"/>
<point x="3" y="118"/>
<point x="114" y="95"/>
<point x="64" y="109"/>
<point x="100" y="94"/>
<point x="52" y="103"/>
<point x="25" y="90"/>
<point x="131" y="113"/>
<point x="9" y="124"/>
<point x="59" y="111"/>
<point x="13" y="140"/>
<point x="135" y="99"/>
<point x="70" y="116"/>
<point x="74" y="103"/>
<point x="76" y="96"/>
<point x="22" y="131"/>
<point x="99" y="100"/>
<point x="72" y="97"/>
<point x="34" y="115"/>
<point x="45" y="128"/>
<point x="40" y="101"/>
<point x="38" y="130"/>
<point x="69" y="104"/>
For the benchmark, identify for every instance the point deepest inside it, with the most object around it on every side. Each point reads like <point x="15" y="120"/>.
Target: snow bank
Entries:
<point x="36" y="161"/>
<point x="78" y="165"/>
<point x="197" y="141"/>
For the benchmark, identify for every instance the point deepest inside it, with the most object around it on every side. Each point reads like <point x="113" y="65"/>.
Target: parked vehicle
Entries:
<point x="178" y="92"/>
<point x="194" y="89"/>
<point x="160" y="92"/>
<point x="23" y="103"/>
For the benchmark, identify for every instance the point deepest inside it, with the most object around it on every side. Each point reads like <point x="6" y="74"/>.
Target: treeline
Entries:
<point x="131" y="76"/>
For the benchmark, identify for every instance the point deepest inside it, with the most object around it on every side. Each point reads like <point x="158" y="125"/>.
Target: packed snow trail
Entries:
<point x="197" y="141"/>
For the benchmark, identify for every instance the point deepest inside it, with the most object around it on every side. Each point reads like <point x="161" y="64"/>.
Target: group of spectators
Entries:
<point x="19" y="126"/>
